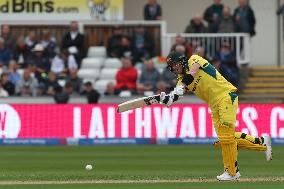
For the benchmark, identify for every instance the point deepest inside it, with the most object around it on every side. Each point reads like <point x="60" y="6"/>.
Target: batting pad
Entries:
<point x="243" y="144"/>
<point x="228" y="143"/>
<point x="247" y="145"/>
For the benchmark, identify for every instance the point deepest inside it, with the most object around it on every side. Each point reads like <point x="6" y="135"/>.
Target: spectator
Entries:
<point x="41" y="89"/>
<point x="200" y="51"/>
<point x="169" y="79"/>
<point x="57" y="65"/>
<point x="74" y="42"/>
<point x="228" y="67"/>
<point x="6" y="84"/>
<point x="244" y="18"/>
<point x="152" y="10"/>
<point x="114" y="43"/>
<point x="14" y="75"/>
<point x="126" y="77"/>
<point x="31" y="40"/>
<point x="149" y="78"/>
<point x="216" y="63"/>
<point x="51" y="84"/>
<point x="125" y="47"/>
<point x="195" y="43"/>
<point x="21" y="52"/>
<point x="179" y="40"/>
<point x="69" y="60"/>
<point x="5" y="54"/>
<point x="49" y="43"/>
<point x="93" y="95"/>
<point x="74" y="80"/>
<point x="213" y="15"/>
<point x="27" y="85"/>
<point x="10" y="41"/>
<point x="109" y="89"/>
<point x="181" y="49"/>
<point x="227" y="24"/>
<point x="69" y="90"/>
<point x="40" y="63"/>
<point x="61" y="97"/>
<point x="3" y="92"/>
<point x="196" y="25"/>
<point x="63" y="63"/>
<point x="143" y="45"/>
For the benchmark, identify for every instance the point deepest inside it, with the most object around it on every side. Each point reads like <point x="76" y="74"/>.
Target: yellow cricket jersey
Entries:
<point x="209" y="85"/>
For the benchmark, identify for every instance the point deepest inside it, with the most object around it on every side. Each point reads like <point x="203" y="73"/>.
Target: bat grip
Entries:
<point x="176" y="97"/>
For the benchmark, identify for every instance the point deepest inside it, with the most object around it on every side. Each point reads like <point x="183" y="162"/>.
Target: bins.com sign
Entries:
<point x="61" y="10"/>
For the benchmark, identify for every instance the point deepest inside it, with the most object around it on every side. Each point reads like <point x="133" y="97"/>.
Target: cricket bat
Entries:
<point x="138" y="103"/>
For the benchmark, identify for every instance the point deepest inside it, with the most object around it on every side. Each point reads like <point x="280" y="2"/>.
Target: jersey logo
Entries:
<point x="195" y="83"/>
<point x="210" y="70"/>
<point x="195" y="61"/>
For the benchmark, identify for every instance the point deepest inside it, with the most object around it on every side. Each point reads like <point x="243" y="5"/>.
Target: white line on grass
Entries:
<point x="193" y="180"/>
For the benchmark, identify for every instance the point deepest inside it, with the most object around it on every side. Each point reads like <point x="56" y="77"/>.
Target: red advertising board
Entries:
<point x="102" y="121"/>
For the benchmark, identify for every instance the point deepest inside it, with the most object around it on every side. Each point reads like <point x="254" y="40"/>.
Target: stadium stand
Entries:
<point x="97" y="51"/>
<point x="263" y="84"/>
<point x="101" y="84"/>
<point x="112" y="63"/>
<point x="93" y="62"/>
<point x="92" y="74"/>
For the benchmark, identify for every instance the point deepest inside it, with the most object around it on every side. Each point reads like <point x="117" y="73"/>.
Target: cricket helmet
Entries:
<point x="176" y="57"/>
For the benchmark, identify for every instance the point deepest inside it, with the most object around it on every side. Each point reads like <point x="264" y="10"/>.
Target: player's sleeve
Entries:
<point x="179" y="81"/>
<point x="197" y="59"/>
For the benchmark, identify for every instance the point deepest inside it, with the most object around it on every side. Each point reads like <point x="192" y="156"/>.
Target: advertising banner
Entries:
<point x="99" y="10"/>
<point x="157" y="122"/>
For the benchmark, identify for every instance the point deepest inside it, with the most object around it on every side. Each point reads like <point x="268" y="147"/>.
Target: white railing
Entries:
<point x="82" y="23"/>
<point x="239" y="42"/>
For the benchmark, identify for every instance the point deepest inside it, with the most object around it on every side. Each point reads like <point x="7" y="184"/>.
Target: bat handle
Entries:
<point x="176" y="97"/>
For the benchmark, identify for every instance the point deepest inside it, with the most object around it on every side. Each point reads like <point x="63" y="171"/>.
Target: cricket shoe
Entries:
<point x="227" y="177"/>
<point x="268" y="152"/>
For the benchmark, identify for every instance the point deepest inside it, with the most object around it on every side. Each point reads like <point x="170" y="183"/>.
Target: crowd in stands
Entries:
<point x="139" y="46"/>
<point x="219" y="19"/>
<point x="32" y="65"/>
<point x="35" y="65"/>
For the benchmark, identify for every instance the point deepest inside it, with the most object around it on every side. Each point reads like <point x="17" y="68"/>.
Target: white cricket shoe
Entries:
<point x="222" y="175"/>
<point x="227" y="177"/>
<point x="268" y="152"/>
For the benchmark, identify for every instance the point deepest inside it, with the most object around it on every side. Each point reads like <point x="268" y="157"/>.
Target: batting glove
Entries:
<point x="179" y="90"/>
<point x="168" y="99"/>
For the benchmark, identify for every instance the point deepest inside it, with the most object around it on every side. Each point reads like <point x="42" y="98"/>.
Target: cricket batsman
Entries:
<point x="197" y="75"/>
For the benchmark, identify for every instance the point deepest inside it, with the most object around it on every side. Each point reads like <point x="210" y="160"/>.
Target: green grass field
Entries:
<point x="153" y="166"/>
